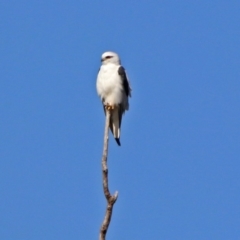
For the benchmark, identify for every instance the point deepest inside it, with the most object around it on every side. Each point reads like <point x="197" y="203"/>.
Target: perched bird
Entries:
<point x="113" y="88"/>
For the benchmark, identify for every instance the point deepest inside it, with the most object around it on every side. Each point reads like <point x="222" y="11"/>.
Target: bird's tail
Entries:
<point x="115" y="125"/>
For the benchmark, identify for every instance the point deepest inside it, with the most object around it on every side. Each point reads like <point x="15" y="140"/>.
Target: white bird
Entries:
<point x="113" y="88"/>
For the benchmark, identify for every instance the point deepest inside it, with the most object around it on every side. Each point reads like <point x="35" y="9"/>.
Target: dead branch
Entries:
<point x="111" y="199"/>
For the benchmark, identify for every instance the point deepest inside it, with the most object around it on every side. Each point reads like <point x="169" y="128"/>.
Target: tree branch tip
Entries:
<point x="115" y="196"/>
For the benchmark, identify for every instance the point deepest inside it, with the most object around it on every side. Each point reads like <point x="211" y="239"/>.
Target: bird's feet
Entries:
<point x="109" y="107"/>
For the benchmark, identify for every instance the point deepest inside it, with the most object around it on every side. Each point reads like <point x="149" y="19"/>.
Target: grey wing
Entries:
<point x="125" y="83"/>
<point x="127" y="90"/>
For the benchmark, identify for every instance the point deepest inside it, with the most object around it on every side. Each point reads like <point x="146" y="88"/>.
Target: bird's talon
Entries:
<point x="109" y="107"/>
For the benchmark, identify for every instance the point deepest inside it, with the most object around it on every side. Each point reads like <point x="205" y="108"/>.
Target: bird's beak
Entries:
<point x="102" y="59"/>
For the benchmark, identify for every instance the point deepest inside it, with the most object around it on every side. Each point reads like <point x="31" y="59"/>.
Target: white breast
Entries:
<point x="109" y="85"/>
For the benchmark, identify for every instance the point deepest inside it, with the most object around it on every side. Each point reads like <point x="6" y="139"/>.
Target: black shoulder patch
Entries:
<point x="122" y="73"/>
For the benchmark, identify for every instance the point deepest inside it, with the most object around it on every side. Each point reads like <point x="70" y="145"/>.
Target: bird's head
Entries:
<point x="110" y="57"/>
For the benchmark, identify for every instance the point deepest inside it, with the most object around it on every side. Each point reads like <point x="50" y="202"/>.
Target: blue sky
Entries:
<point x="177" y="171"/>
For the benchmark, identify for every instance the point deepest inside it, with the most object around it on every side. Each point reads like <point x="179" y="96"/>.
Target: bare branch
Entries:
<point x="111" y="199"/>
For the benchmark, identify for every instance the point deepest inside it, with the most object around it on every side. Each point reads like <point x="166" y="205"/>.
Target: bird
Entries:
<point x="114" y="90"/>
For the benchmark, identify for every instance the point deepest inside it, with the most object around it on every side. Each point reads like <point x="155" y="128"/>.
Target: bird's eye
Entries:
<point x="107" y="57"/>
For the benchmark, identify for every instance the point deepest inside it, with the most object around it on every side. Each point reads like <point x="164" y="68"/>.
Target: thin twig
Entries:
<point x="111" y="199"/>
